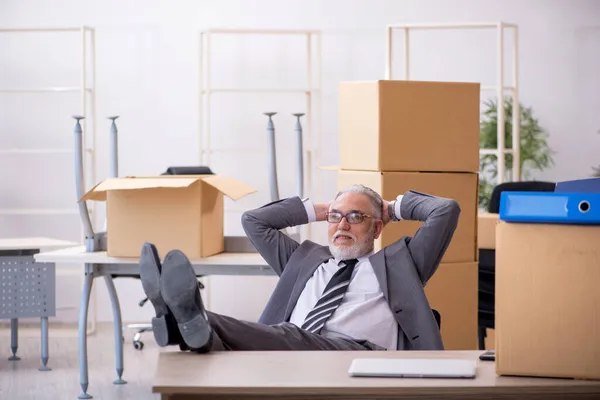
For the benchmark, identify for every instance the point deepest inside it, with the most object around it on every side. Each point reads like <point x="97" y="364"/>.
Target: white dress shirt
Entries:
<point x="364" y="314"/>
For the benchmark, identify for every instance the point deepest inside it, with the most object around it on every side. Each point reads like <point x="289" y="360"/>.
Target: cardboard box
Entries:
<point x="486" y="230"/>
<point x="409" y="126"/>
<point x="461" y="187"/>
<point x="548" y="300"/>
<point x="173" y="212"/>
<point x="453" y="292"/>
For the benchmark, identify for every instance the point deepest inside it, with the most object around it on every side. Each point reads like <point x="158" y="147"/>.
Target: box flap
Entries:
<point x="98" y="193"/>
<point x="230" y="187"/>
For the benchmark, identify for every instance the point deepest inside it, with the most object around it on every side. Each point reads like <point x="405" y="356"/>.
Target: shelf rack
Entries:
<point x="311" y="123"/>
<point x="86" y="90"/>
<point x="500" y="88"/>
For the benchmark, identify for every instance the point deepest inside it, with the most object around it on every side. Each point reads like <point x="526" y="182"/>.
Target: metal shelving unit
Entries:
<point x="310" y="91"/>
<point x="500" y="88"/>
<point x="86" y="90"/>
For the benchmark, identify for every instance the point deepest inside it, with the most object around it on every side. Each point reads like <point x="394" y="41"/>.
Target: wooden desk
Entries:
<point x="324" y="375"/>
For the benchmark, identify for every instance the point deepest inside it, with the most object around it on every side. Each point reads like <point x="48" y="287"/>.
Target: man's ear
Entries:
<point x="378" y="228"/>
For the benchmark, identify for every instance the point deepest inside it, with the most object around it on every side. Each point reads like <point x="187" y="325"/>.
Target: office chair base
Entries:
<point x="137" y="337"/>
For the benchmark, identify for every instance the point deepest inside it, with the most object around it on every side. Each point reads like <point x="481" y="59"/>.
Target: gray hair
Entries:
<point x="373" y="196"/>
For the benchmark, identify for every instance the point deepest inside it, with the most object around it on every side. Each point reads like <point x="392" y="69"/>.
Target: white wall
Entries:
<point x="146" y="72"/>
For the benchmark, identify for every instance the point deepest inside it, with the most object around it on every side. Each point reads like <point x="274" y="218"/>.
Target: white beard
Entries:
<point x="345" y="252"/>
<point x="356" y="250"/>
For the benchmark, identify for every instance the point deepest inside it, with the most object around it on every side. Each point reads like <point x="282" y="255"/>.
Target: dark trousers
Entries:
<point x="233" y="334"/>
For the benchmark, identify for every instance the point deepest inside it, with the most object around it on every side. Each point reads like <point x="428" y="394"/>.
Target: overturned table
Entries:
<point x="324" y="375"/>
<point x="99" y="264"/>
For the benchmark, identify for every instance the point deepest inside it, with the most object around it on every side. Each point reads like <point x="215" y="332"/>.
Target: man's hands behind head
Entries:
<point x="321" y="211"/>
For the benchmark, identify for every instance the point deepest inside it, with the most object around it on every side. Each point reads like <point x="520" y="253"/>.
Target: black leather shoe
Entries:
<point x="180" y="290"/>
<point x="164" y="325"/>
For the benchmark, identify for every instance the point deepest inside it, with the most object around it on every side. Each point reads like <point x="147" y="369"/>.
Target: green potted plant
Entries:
<point x="535" y="154"/>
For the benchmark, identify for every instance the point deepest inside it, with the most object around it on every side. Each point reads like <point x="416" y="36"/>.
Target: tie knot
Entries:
<point x="350" y="263"/>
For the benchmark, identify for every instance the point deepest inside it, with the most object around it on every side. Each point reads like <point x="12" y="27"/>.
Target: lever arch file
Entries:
<point x="550" y="207"/>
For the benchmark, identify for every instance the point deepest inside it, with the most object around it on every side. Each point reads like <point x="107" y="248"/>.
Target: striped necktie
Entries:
<point x="331" y="298"/>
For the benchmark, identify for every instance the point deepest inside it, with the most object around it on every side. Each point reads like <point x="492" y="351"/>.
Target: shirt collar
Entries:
<point x="360" y="259"/>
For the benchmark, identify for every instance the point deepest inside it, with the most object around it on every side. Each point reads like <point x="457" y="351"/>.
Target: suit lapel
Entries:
<point x="378" y="263"/>
<point x="310" y="265"/>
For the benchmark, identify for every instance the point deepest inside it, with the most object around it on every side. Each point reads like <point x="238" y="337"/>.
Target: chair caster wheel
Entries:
<point x="138" y="345"/>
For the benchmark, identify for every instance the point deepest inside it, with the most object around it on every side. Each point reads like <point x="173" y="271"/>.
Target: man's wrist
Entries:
<point x="398" y="208"/>
<point x="310" y="210"/>
<point x="315" y="212"/>
<point x="391" y="211"/>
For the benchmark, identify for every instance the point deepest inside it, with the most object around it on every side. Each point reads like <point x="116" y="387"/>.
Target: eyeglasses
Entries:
<point x="353" y="217"/>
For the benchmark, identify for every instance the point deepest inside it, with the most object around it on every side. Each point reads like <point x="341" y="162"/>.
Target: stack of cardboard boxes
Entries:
<point x="397" y="136"/>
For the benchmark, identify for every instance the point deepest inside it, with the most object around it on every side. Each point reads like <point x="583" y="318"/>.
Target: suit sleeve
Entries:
<point x="429" y="243"/>
<point x="263" y="227"/>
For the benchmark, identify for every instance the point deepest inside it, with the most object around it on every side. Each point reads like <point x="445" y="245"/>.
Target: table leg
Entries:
<point x="14" y="339"/>
<point x="44" y="329"/>
<point x="83" y="314"/>
<point x="116" y="308"/>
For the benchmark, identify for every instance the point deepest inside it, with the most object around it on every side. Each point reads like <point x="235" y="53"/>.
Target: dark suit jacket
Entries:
<point x="402" y="268"/>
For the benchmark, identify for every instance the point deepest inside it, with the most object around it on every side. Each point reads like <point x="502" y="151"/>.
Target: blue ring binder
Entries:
<point x="550" y="207"/>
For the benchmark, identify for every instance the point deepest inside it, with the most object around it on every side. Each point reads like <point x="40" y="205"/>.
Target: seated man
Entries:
<point x="337" y="297"/>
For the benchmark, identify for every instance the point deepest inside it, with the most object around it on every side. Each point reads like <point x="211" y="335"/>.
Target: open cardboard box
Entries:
<point x="172" y="212"/>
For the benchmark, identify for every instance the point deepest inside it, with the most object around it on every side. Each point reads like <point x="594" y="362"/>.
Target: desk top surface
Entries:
<point x="34" y="243"/>
<point x="79" y="255"/>
<point x="326" y="372"/>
